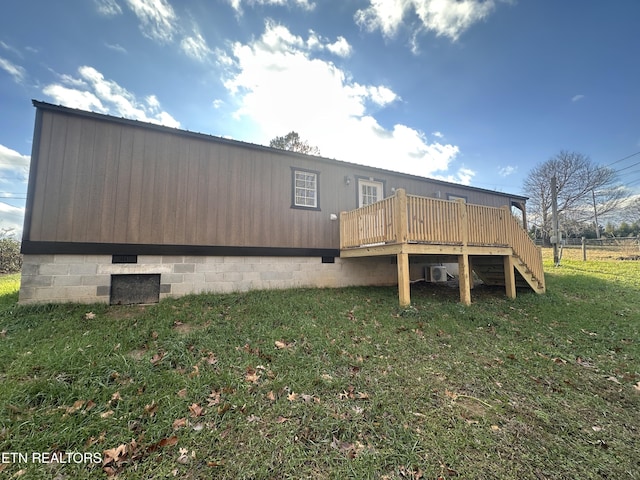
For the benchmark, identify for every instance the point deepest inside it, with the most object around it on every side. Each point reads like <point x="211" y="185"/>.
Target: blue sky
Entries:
<point x="470" y="91"/>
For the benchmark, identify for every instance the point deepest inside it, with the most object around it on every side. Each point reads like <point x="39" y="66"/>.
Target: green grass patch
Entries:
<point x="336" y="383"/>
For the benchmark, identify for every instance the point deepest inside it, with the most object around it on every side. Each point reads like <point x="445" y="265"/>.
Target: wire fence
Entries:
<point x="621" y="248"/>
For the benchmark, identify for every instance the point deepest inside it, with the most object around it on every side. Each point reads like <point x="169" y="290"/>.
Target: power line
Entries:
<point x="622" y="159"/>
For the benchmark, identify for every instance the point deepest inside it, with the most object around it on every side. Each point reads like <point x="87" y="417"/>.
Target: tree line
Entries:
<point x="586" y="194"/>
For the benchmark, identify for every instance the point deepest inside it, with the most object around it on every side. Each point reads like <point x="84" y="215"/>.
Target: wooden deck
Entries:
<point x="487" y="240"/>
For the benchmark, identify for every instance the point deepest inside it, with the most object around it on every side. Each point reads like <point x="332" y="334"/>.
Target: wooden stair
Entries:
<point x="490" y="269"/>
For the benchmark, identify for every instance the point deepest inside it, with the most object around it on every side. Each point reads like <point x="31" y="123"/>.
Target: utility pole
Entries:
<point x="595" y="213"/>
<point x="555" y="237"/>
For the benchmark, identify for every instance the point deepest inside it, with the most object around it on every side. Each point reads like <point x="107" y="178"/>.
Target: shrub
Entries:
<point x="10" y="258"/>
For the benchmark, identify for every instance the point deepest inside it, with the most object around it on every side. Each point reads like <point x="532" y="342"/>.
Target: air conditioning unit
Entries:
<point x="436" y="274"/>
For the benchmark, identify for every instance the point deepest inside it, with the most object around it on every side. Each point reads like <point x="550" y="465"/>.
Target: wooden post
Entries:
<point x="509" y="276"/>
<point x="464" y="279"/>
<point x="404" y="284"/>
<point x="464" y="270"/>
<point x="584" y="249"/>
<point x="401" y="216"/>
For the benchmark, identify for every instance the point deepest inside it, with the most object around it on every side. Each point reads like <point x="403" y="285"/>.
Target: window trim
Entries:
<point x="295" y="170"/>
<point x="360" y="179"/>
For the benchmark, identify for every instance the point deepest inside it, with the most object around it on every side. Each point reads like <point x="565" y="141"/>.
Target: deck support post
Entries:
<point x="464" y="279"/>
<point x="509" y="276"/>
<point x="464" y="267"/>
<point x="404" y="284"/>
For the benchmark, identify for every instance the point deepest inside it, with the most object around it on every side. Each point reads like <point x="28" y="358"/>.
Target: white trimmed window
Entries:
<point x="369" y="191"/>
<point x="305" y="189"/>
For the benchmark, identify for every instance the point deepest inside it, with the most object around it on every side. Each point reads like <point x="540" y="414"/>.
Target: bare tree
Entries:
<point x="585" y="190"/>
<point x="292" y="142"/>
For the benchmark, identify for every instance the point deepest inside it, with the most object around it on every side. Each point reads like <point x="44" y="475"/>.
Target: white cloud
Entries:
<point x="17" y="72"/>
<point x="577" y="98"/>
<point x="279" y="86"/>
<point x="11" y="219"/>
<point x="438" y="134"/>
<point x="108" y="8"/>
<point x="14" y="171"/>
<point x="508" y="170"/>
<point x="116" y="47"/>
<point x="157" y="19"/>
<point x="304" y="4"/>
<point x="12" y="160"/>
<point x="196" y="47"/>
<point x="464" y="176"/>
<point x="95" y="93"/>
<point x="340" y="47"/>
<point x="448" y="18"/>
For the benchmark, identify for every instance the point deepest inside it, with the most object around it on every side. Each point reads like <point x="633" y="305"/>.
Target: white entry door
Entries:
<point x="369" y="192"/>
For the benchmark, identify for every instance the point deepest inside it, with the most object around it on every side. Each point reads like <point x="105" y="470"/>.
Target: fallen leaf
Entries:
<point x="211" y="359"/>
<point x="183" y="458"/>
<point x="89" y="315"/>
<point x="349" y="449"/>
<point x="196" y="410"/>
<point x="281" y="419"/>
<point x="106" y="414"/>
<point x="198" y="426"/>
<point x="596" y="428"/>
<point x="614" y="380"/>
<point x="451" y="395"/>
<point x="77" y="405"/>
<point x="114" y="454"/>
<point x="167" y="442"/>
<point x="271" y="396"/>
<point x="115" y="398"/>
<point x="637" y="386"/>
<point x="157" y="358"/>
<point x="214" y="398"/>
<point x="251" y="375"/>
<point x="179" y="423"/>
<point x="495" y="428"/>
<point x="195" y="372"/>
<point x="281" y="345"/>
<point x="182" y="393"/>
<point x="151" y="408"/>
<point x="292" y="397"/>
<point x="584" y="363"/>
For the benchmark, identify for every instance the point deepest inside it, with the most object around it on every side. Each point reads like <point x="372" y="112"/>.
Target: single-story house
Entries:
<point x="122" y="211"/>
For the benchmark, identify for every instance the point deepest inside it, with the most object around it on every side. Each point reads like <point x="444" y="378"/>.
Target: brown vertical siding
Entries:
<point x="104" y="180"/>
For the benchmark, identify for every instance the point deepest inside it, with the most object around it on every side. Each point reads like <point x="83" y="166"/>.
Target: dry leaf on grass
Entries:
<point x="179" y="423"/>
<point x="157" y="358"/>
<point x="151" y="408"/>
<point x="196" y="410"/>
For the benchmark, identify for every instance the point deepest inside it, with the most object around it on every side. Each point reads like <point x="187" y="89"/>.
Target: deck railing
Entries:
<point x="411" y="219"/>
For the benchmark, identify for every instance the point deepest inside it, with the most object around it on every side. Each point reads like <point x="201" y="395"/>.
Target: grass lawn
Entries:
<point x="330" y="383"/>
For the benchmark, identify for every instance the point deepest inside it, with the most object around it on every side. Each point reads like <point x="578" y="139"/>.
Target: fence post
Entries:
<point x="584" y="249"/>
